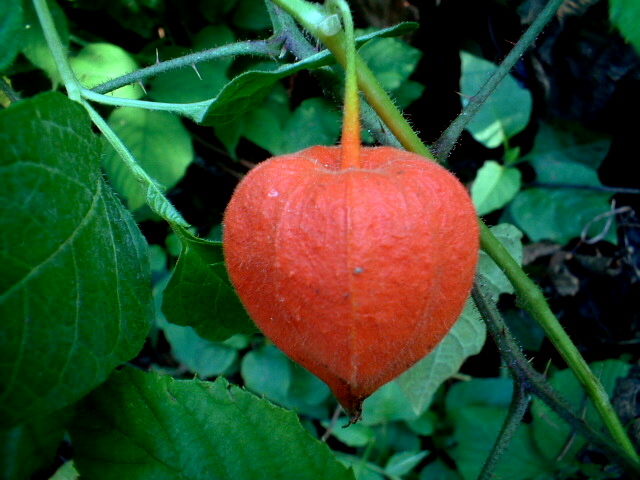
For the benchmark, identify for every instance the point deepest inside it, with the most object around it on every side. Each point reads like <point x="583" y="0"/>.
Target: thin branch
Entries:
<point x="443" y="146"/>
<point x="517" y="409"/>
<point x="264" y="48"/>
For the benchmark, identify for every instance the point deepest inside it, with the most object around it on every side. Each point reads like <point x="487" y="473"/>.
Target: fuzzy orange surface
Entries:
<point x="355" y="274"/>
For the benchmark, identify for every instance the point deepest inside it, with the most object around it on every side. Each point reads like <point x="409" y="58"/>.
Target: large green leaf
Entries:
<point x="505" y="113"/>
<point x="200" y="294"/>
<point x="140" y="426"/>
<point x="159" y="142"/>
<point x="75" y="296"/>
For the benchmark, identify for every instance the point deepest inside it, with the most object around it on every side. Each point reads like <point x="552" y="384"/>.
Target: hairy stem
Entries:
<point x="350" y="142"/>
<point x="533" y="301"/>
<point x="535" y="383"/>
<point x="517" y="409"/>
<point x="57" y="50"/>
<point x="263" y="48"/>
<point x="443" y="146"/>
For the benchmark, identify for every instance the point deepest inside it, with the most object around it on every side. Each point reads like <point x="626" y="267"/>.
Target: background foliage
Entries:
<point x="124" y="351"/>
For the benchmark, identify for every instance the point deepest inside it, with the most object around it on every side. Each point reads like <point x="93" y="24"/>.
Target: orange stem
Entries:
<point x="350" y="143"/>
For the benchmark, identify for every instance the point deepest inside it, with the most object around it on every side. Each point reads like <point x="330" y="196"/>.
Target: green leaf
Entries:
<point x="569" y="142"/>
<point x="477" y="409"/>
<point x="75" y="299"/>
<point x="11" y="32"/>
<point x="565" y="159"/>
<point x="159" y="142"/>
<point x="466" y="338"/>
<point x="140" y="426"/>
<point x="246" y="91"/>
<point x="98" y="62"/>
<point x="625" y="16"/>
<point x="404" y="462"/>
<point x="200" y="356"/>
<point x="34" y="45"/>
<point x="393" y="61"/>
<point x="388" y="404"/>
<point x="476" y="429"/>
<point x="314" y="122"/>
<point x="494" y="186"/>
<point x="505" y="113"/>
<point x="30" y="446"/>
<point x="357" y="435"/>
<point x="269" y="372"/>
<point x="200" y="294"/>
<point x="66" y="472"/>
<point x="251" y="15"/>
<point x="554" y="437"/>
<point x="562" y="213"/>
<point x="484" y="392"/>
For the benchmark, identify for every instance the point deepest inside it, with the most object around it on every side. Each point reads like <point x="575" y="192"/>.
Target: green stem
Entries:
<point x="533" y="301"/>
<point x="57" y="50"/>
<point x="153" y="192"/>
<point x="535" y="383"/>
<point x="263" y="48"/>
<point x="450" y="136"/>
<point x="517" y="409"/>
<point x="195" y="111"/>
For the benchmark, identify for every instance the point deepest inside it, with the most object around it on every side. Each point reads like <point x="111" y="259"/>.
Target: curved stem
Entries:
<point x="517" y="409"/>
